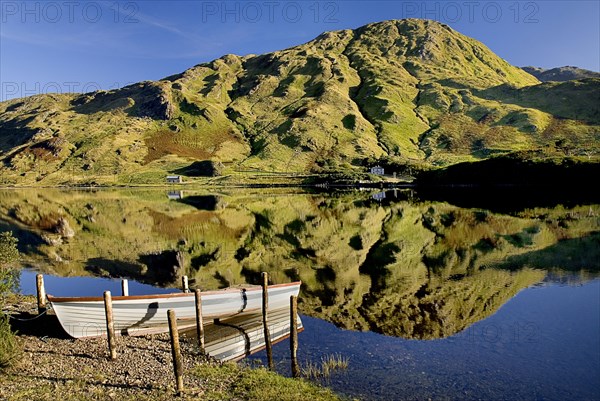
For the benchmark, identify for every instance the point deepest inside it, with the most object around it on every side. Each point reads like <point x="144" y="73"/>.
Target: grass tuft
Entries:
<point x="329" y="364"/>
<point x="230" y="381"/>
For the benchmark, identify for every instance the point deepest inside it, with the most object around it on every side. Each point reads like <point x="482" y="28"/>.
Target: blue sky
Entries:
<point x="71" y="45"/>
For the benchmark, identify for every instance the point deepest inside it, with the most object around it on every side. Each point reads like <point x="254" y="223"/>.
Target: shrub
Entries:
<point x="8" y="255"/>
<point x="10" y="350"/>
<point x="9" y="347"/>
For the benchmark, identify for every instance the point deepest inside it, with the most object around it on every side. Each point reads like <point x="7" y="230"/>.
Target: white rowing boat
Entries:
<point x="235" y="338"/>
<point x="140" y="314"/>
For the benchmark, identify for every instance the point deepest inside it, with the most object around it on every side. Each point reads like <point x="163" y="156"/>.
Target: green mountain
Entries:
<point x="407" y="92"/>
<point x="560" y="74"/>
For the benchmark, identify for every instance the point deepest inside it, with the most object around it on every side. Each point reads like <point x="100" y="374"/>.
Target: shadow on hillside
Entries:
<point x="15" y="133"/>
<point x="163" y="268"/>
<point x="574" y="254"/>
<point x="153" y="269"/>
<point x="29" y="241"/>
<point x="204" y="202"/>
<point x="200" y="168"/>
<point x="143" y="99"/>
<point x="113" y="268"/>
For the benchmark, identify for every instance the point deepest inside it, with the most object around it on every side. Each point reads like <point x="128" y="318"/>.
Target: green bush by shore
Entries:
<point x="9" y="347"/>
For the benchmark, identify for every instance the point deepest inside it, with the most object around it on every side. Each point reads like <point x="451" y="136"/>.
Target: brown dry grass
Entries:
<point x="186" y="144"/>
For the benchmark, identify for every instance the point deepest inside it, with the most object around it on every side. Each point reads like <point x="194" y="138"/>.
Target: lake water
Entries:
<point x="475" y="299"/>
<point x="542" y="345"/>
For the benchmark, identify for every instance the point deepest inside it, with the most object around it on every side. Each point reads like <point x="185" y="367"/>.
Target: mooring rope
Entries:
<point x="26" y="320"/>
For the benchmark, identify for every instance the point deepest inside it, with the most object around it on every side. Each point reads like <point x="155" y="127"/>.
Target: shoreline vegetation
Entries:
<point x="514" y="170"/>
<point x="56" y="367"/>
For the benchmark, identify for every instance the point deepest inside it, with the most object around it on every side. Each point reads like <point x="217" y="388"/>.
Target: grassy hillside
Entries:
<point x="411" y="269"/>
<point x="406" y="92"/>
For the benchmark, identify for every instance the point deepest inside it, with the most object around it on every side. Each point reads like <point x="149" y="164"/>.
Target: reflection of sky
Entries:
<point x="542" y="344"/>
<point x="85" y="286"/>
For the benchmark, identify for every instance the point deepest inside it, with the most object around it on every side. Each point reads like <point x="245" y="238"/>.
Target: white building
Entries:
<point x="175" y="194"/>
<point x="378" y="170"/>
<point x="174" y="179"/>
<point x="379" y="196"/>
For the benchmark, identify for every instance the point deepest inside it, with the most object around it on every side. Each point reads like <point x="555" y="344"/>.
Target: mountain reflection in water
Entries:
<point x="394" y="265"/>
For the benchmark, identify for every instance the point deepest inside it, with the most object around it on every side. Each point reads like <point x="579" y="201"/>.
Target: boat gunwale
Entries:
<point x="54" y="299"/>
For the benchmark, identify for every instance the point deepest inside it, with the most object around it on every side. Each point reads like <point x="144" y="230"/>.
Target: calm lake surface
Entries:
<point x="474" y="298"/>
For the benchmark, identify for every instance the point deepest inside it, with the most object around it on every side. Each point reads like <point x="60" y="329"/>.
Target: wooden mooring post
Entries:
<point x="176" y="351"/>
<point x="41" y="293"/>
<point x="184" y="284"/>
<point x="110" y="326"/>
<point x="199" y="321"/>
<point x="265" y="315"/>
<point x="125" y="287"/>
<point x="294" y="335"/>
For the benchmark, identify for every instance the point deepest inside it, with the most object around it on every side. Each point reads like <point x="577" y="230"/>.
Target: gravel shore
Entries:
<point x="53" y="361"/>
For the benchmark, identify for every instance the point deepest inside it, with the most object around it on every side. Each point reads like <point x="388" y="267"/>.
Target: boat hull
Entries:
<point x="85" y="317"/>
<point x="235" y="338"/>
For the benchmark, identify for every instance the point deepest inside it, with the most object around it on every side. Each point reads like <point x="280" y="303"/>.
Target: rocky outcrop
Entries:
<point x="157" y="108"/>
<point x="144" y="99"/>
<point x="63" y="228"/>
<point x="163" y="267"/>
